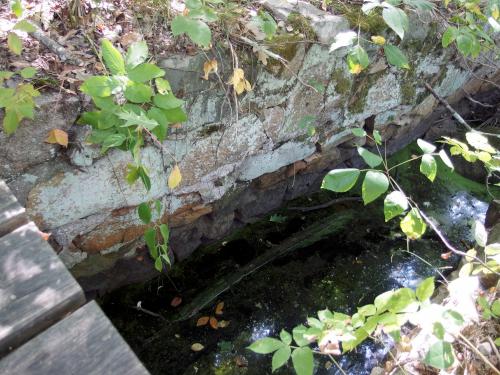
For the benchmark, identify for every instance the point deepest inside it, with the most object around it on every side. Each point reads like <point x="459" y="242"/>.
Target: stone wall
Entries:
<point x="238" y="160"/>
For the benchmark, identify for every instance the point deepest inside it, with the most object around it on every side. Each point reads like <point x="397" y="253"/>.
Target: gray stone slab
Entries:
<point x="12" y="214"/>
<point x="36" y="289"/>
<point x="84" y="343"/>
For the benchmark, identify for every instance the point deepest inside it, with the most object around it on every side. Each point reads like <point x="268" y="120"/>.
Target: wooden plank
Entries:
<point x="12" y="214"/>
<point x="84" y="343"/>
<point x="36" y="289"/>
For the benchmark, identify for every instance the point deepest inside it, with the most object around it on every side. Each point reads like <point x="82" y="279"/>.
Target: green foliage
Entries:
<point x="266" y="23"/>
<point x="156" y="236"/>
<point x="14" y="42"/>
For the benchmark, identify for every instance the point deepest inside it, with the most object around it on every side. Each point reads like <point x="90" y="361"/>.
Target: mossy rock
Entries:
<point x="372" y="23"/>
<point x="341" y="81"/>
<point x="285" y="45"/>
<point x="301" y="24"/>
<point x="360" y="88"/>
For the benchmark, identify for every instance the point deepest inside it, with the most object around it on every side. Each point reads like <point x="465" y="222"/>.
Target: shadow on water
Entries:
<point x="341" y="271"/>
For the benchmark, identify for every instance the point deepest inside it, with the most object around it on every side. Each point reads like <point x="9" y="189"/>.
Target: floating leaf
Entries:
<point x="57" y="136"/>
<point x="209" y="66"/>
<point x="176" y="301"/>
<point x="203" y="321"/>
<point x="196" y="347"/>
<point x="175" y="177"/>
<point x="374" y="185"/>
<point x="395" y="204"/>
<point x="219" y="308"/>
<point x="413" y="225"/>
<point x="213" y="323"/>
<point x="340" y="180"/>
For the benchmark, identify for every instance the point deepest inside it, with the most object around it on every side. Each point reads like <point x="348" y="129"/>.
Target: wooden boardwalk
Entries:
<point x="46" y="327"/>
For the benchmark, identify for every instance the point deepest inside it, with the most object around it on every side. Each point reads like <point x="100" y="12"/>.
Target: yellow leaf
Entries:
<point x="223" y="323"/>
<point x="218" y="309"/>
<point x="196" y="347"/>
<point x="239" y="82"/>
<point x="356" y="69"/>
<point x="202" y="321"/>
<point x="58" y="136"/>
<point x="175" y="177"/>
<point x="377" y="39"/>
<point x="209" y="67"/>
<point x="495" y="12"/>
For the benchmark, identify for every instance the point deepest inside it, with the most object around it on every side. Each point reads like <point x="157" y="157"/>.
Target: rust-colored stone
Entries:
<point x="187" y="216"/>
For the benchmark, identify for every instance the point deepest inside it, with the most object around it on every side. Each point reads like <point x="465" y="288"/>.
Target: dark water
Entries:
<point x="341" y="271"/>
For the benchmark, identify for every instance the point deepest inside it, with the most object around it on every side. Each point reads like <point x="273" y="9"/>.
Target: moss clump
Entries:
<point x="408" y="86"/>
<point x="301" y="24"/>
<point x="286" y="46"/>
<point x="372" y="23"/>
<point x="361" y="86"/>
<point x="209" y="129"/>
<point x="342" y="83"/>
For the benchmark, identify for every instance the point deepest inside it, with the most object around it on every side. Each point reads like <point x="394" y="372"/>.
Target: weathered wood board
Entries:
<point x="36" y="289"/>
<point x="84" y="343"/>
<point x="12" y="214"/>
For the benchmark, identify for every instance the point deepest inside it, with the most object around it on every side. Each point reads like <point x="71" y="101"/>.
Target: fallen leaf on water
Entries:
<point x="214" y="323"/>
<point x="175" y="177"/>
<point x="209" y="67"/>
<point x="223" y="323"/>
<point x="202" y="321"/>
<point x="58" y="136"/>
<point x="196" y="347"/>
<point x="176" y="301"/>
<point x="218" y="309"/>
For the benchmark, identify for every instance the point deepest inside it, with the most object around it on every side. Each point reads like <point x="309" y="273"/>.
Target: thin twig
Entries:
<point x="325" y="205"/>
<point x="54" y="47"/>
<point x="475" y="350"/>
<point x="337" y="364"/>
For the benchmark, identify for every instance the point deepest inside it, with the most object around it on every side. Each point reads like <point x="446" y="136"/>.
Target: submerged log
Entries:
<point x="332" y="224"/>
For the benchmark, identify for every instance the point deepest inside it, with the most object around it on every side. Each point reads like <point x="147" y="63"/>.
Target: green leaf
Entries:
<point x="165" y="233"/>
<point x="340" y="180"/>
<point x="158" y="264"/>
<point x="446" y="159"/>
<point x="175" y="115"/>
<point x="400" y="300"/>
<point x="440" y="355"/>
<point x="138" y="92"/>
<point x="112" y="58"/>
<point x="367" y="310"/>
<point x="374" y="185"/>
<point x="303" y="361"/>
<point x="382" y="300"/>
<point x="377" y="137"/>
<point x="453" y="317"/>
<point x="358" y="132"/>
<point x="14" y="43"/>
<point x="395" y="204"/>
<point x="357" y="56"/>
<point x="420" y="4"/>
<point x="266" y="345"/>
<point x="25" y="26"/>
<point x="266" y="23"/>
<point x="495" y="308"/>
<point x="6" y="96"/>
<point x="197" y="30"/>
<point x="449" y="36"/>
<point x="438" y="330"/>
<point x="97" y="86"/>
<point x="145" y="72"/>
<point x="137" y="53"/>
<point x="413" y="225"/>
<point x="10" y="122"/>
<point x="298" y="335"/>
<point x="131" y="119"/>
<point x="17" y="8"/>
<point x="370" y="158"/>
<point x="479" y="142"/>
<point x="143" y="175"/>
<point x="280" y="357"/>
<point x="396" y="57"/>
<point x="144" y="213"/>
<point x="497" y="341"/>
<point x="158" y="207"/>
<point x="27" y="72"/>
<point x="428" y="167"/>
<point x="426" y="147"/>
<point x="425" y="289"/>
<point x="396" y="19"/>
<point x="285" y="337"/>
<point x="113" y="140"/>
<point x="168" y="101"/>
<point x="163" y="86"/>
<point x="150" y="239"/>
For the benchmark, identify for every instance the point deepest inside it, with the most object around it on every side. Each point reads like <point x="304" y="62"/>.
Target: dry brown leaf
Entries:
<point x="214" y="323"/>
<point x="196" y="347"/>
<point x="175" y="177"/>
<point x="202" y="321"/>
<point x="209" y="67"/>
<point x="176" y="301"/>
<point x="218" y="309"/>
<point x="239" y="82"/>
<point x="58" y="136"/>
